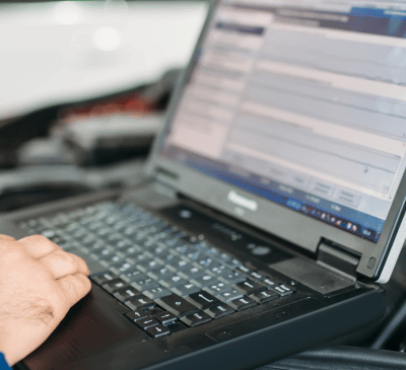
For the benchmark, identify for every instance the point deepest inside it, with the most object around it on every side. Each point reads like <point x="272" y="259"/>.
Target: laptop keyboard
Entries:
<point x="168" y="279"/>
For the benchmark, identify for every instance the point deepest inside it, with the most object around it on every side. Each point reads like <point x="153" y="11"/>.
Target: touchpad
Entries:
<point x="91" y="326"/>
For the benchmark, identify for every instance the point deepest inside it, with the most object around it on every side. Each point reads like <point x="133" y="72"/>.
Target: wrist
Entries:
<point x="3" y="362"/>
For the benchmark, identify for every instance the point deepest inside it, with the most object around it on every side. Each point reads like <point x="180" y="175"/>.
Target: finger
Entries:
<point x="74" y="287"/>
<point x="38" y="246"/>
<point x="61" y="264"/>
<point x="7" y="238"/>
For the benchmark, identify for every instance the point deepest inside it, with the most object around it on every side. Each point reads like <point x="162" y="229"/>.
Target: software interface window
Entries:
<point x="304" y="104"/>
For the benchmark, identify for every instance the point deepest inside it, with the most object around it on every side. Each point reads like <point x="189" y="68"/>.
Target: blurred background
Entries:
<point x="84" y="86"/>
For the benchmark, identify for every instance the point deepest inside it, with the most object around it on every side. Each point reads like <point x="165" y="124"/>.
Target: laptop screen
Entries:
<point x="302" y="103"/>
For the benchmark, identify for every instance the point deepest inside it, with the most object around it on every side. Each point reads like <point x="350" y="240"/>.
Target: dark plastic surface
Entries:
<point x="95" y="336"/>
<point x="342" y="358"/>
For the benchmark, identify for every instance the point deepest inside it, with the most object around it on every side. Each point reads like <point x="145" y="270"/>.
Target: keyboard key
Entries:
<point x="256" y="276"/>
<point x="163" y="256"/>
<point x="243" y="269"/>
<point x="148" y="265"/>
<point x="129" y="252"/>
<point x="192" y="272"/>
<point x="235" y="263"/>
<point x="88" y="240"/>
<point x="217" y="268"/>
<point x="219" y="310"/>
<point x="283" y="290"/>
<point x="122" y="244"/>
<point x="157" y="250"/>
<point x="105" y="231"/>
<point x="249" y="287"/>
<point x="140" y="302"/>
<point x="196" y="319"/>
<point x="206" y="262"/>
<point x="217" y="288"/>
<point x="104" y="278"/>
<point x="264" y="296"/>
<point x="142" y="259"/>
<point x="204" y="280"/>
<point x="229" y="295"/>
<point x="212" y="253"/>
<point x="97" y="245"/>
<point x="158" y="331"/>
<point x="180" y="265"/>
<point x="114" y="237"/>
<point x="146" y="322"/>
<point x="136" y="315"/>
<point x="101" y="253"/>
<point x="157" y="292"/>
<point x="177" y="305"/>
<point x="242" y="303"/>
<point x="144" y="282"/>
<point x="114" y="286"/>
<point x="121" y="267"/>
<point x="111" y="260"/>
<point x="268" y="282"/>
<point x="202" y="299"/>
<point x="172" y="281"/>
<point x="184" y="249"/>
<point x="195" y="255"/>
<point x="165" y="317"/>
<point x="173" y="258"/>
<point x="224" y="257"/>
<point x="130" y="275"/>
<point x="185" y="289"/>
<point x="126" y="294"/>
<point x="231" y="277"/>
<point x="171" y="242"/>
<point x="160" y="273"/>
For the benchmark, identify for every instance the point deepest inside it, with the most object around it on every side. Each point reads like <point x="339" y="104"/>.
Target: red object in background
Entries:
<point x="128" y="103"/>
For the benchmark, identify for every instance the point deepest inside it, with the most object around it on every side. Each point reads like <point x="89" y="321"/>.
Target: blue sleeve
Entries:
<point x="3" y="363"/>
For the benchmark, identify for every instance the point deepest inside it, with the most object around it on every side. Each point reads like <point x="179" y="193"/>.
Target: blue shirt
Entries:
<point x="3" y="363"/>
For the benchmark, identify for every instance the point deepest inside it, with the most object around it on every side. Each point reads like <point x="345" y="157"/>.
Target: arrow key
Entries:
<point x="196" y="318"/>
<point x="146" y="322"/>
<point x="158" y="331"/>
<point x="136" y="315"/>
<point x="165" y="317"/>
<point x="219" y="310"/>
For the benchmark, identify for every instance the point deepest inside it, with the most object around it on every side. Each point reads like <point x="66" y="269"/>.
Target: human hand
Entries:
<point x="39" y="283"/>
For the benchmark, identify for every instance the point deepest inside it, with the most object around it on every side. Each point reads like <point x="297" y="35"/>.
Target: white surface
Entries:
<point x="65" y="51"/>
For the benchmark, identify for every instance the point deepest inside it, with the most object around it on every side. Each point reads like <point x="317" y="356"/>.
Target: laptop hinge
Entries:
<point x="164" y="189"/>
<point x="338" y="258"/>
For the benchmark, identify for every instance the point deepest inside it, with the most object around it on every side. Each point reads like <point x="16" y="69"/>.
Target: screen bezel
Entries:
<point x="275" y="219"/>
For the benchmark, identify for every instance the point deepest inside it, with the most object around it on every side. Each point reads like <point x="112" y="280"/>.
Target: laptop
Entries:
<point x="272" y="207"/>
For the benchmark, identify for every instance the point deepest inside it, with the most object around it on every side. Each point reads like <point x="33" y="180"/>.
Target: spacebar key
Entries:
<point x="177" y="305"/>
